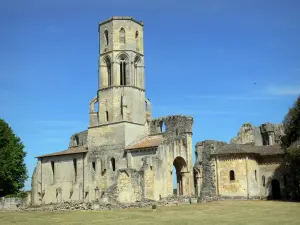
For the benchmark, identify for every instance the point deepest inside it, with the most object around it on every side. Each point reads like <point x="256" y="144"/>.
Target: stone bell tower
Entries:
<point x="121" y="91"/>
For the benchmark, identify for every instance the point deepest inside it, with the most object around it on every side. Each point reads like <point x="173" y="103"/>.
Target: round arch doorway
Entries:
<point x="180" y="167"/>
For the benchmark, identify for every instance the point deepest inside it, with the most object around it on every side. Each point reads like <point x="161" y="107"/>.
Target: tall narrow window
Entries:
<point x="146" y="106"/>
<point x="255" y="175"/>
<point x="75" y="169"/>
<point x="113" y="164"/>
<point x="106" y="37"/>
<point x="53" y="170"/>
<point x="122" y="72"/>
<point x="108" y="70"/>
<point x="94" y="166"/>
<point x="106" y="114"/>
<point x="263" y="178"/>
<point x="231" y="175"/>
<point x="122" y="36"/>
<point x="137" y="40"/>
<point x="135" y="72"/>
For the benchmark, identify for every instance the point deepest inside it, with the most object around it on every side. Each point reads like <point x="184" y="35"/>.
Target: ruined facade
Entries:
<point x="251" y="166"/>
<point x="125" y="155"/>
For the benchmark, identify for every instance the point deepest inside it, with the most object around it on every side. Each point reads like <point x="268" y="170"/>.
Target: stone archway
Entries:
<point x="180" y="166"/>
<point x="276" y="193"/>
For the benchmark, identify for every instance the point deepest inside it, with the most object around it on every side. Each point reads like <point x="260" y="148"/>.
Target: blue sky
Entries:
<point x="202" y="59"/>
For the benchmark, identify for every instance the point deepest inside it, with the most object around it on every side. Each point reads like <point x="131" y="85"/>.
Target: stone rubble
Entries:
<point x="80" y="205"/>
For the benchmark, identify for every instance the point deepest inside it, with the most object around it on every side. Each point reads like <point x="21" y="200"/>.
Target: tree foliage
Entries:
<point x="13" y="172"/>
<point x="291" y="125"/>
<point x="291" y="143"/>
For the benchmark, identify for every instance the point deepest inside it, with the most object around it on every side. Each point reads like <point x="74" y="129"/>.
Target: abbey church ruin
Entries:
<point x="125" y="155"/>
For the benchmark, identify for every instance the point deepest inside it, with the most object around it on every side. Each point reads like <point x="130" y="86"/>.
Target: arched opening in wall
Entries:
<point x="106" y="37"/>
<point x="137" y="40"/>
<point x="53" y="171"/>
<point x="255" y="175"/>
<point x="76" y="140"/>
<point x="123" y="68"/>
<point x="108" y="71"/>
<point x="276" y="193"/>
<point x="180" y="167"/>
<point x="176" y="132"/>
<point x="263" y="179"/>
<point x="231" y="175"/>
<point x="136" y="77"/>
<point x="163" y="127"/>
<point x="106" y="116"/>
<point x="122" y="38"/>
<point x="113" y="164"/>
<point x="75" y="169"/>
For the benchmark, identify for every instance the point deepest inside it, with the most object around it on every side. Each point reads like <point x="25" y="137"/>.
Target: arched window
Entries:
<point x="106" y="37"/>
<point x="108" y="71"/>
<point x="263" y="179"/>
<point x="123" y="67"/>
<point x="75" y="169"/>
<point x="76" y="140"/>
<point x="113" y="164"/>
<point x="231" y="175"/>
<point x="137" y="40"/>
<point x="136" y="72"/>
<point x="122" y="36"/>
<point x="106" y="116"/>
<point x="255" y="175"/>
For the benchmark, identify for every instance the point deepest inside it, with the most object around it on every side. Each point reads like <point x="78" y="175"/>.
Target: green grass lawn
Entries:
<point x="214" y="213"/>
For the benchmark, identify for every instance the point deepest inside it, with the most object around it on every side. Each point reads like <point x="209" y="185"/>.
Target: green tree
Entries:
<point x="13" y="172"/>
<point x="291" y="142"/>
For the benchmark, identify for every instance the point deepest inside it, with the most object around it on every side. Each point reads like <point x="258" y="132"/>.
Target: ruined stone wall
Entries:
<point x="265" y="134"/>
<point x="62" y="185"/>
<point x="248" y="134"/>
<point x="206" y="165"/>
<point x="78" y="139"/>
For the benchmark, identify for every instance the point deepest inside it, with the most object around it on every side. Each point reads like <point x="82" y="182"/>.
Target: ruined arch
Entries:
<point x="180" y="166"/>
<point x="163" y="127"/>
<point x="76" y="140"/>
<point x="94" y="105"/>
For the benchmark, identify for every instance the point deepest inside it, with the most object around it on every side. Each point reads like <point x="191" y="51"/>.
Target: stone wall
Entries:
<point x="207" y="167"/>
<point x="11" y="203"/>
<point x="265" y="134"/>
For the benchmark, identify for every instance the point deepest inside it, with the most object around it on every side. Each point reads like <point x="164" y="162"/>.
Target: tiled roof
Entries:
<point x="148" y="142"/>
<point x="243" y="149"/>
<point x="73" y="150"/>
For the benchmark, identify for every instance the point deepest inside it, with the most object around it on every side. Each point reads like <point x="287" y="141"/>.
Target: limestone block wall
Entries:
<point x="238" y="186"/>
<point x="271" y="168"/>
<point x="253" y="174"/>
<point x="122" y="103"/>
<point x="59" y="179"/>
